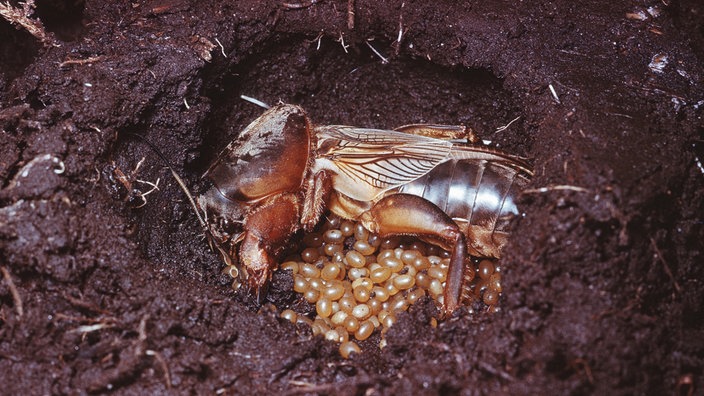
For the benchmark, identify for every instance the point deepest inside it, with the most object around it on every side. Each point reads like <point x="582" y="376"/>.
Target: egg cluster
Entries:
<point x="360" y="282"/>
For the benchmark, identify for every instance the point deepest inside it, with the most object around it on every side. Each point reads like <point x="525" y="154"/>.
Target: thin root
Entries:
<point x="505" y="127"/>
<point x="97" y="178"/>
<point x="383" y="59"/>
<point x="142" y="329"/>
<point x="319" y="39"/>
<point x="678" y="289"/>
<point x="155" y="186"/>
<point x="580" y="364"/>
<point x="139" y="165"/>
<point x="400" y="26"/>
<point x="298" y="6"/>
<point x="77" y="302"/>
<point x="90" y="328"/>
<point x="559" y="187"/>
<point x="143" y="196"/>
<point x="23" y="18"/>
<point x="164" y="367"/>
<point x="255" y="101"/>
<point x="699" y="164"/>
<point x="222" y="49"/>
<point x="69" y="318"/>
<point x="554" y="94"/>
<point x="350" y="14"/>
<point x="341" y="40"/>
<point x="13" y="290"/>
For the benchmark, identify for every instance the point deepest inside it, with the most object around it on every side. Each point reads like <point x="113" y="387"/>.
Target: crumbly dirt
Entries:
<point x="108" y="289"/>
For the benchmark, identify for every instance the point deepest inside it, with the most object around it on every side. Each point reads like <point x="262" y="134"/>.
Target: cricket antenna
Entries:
<point x="212" y="241"/>
<point x="178" y="179"/>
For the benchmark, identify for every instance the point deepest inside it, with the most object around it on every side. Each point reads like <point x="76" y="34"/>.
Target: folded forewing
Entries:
<point x="368" y="162"/>
<point x="476" y="152"/>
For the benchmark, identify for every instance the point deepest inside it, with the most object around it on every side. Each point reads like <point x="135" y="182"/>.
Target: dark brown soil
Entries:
<point x="603" y="278"/>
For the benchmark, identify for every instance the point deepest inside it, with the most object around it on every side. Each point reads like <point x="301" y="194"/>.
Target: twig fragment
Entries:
<point x="13" y="290"/>
<point x="80" y="61"/>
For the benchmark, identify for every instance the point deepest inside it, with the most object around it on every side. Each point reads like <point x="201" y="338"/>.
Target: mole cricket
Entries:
<point x="433" y="182"/>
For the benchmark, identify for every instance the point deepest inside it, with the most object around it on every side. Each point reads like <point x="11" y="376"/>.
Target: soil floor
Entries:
<point x="603" y="282"/>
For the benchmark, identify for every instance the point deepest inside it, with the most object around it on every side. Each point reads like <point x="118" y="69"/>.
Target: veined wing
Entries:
<point x="368" y="162"/>
<point x="475" y="152"/>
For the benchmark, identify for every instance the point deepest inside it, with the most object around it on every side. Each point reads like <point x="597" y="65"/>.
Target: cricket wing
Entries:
<point x="368" y="162"/>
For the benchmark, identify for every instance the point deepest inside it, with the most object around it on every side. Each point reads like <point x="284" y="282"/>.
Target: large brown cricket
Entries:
<point x="282" y="172"/>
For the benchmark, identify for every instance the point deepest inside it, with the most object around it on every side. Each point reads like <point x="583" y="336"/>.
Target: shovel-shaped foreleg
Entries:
<point x="269" y="227"/>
